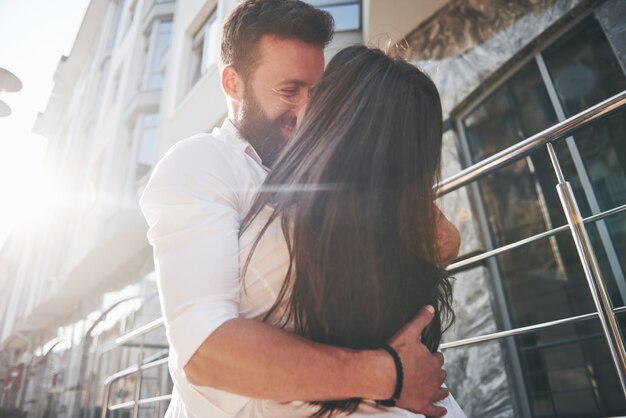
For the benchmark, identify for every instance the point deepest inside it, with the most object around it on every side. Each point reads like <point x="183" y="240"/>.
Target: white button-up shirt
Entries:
<point x="194" y="204"/>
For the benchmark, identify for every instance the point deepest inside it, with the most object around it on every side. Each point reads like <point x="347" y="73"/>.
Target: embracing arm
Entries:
<point x="283" y="366"/>
<point x="191" y="205"/>
<point x="261" y="361"/>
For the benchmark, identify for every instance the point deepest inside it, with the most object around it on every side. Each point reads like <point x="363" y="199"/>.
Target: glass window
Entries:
<point x="115" y="86"/>
<point x="584" y="68"/>
<point x="204" y="48"/>
<point x="115" y="24"/>
<point x="146" y="133"/>
<point x="519" y="108"/>
<point x="585" y="71"/>
<point x="131" y="16"/>
<point x="566" y="378"/>
<point x="567" y="370"/>
<point x="516" y="196"/>
<point x="347" y="13"/>
<point x="103" y="74"/>
<point x="160" y="42"/>
<point x="603" y="152"/>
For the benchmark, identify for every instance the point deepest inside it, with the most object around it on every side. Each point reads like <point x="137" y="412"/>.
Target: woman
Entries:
<point x="347" y="217"/>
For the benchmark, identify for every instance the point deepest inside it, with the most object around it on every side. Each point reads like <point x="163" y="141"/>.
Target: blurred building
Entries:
<point x="142" y="75"/>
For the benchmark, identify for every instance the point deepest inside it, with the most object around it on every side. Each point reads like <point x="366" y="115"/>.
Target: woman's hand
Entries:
<point x="448" y="239"/>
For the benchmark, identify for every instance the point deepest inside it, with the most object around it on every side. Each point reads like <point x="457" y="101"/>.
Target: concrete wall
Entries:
<point x="388" y="22"/>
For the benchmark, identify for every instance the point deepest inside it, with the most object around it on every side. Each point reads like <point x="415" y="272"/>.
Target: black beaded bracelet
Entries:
<point x="399" y="377"/>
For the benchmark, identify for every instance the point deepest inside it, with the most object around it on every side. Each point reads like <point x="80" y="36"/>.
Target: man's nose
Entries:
<point x="300" y="113"/>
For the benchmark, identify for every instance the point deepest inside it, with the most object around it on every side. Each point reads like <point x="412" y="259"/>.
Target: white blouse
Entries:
<point x="194" y="204"/>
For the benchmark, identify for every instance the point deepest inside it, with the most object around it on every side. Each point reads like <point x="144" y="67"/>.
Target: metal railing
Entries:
<point x="143" y="364"/>
<point x="575" y="223"/>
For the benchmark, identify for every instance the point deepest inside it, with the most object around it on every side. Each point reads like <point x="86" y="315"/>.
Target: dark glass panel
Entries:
<point x="583" y="67"/>
<point x="513" y="205"/>
<point x="515" y="196"/>
<point x="518" y="109"/>
<point x="602" y="148"/>
<point x="542" y="406"/>
<point x="578" y="378"/>
<point x="544" y="281"/>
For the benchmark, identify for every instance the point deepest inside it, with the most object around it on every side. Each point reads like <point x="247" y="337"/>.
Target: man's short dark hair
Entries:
<point x="287" y="19"/>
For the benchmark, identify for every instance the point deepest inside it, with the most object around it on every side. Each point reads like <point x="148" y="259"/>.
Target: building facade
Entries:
<point x="142" y="75"/>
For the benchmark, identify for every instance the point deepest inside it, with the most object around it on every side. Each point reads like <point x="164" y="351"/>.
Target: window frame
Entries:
<point x="150" y="49"/>
<point x="136" y="131"/>
<point x="328" y="5"/>
<point x="203" y="54"/>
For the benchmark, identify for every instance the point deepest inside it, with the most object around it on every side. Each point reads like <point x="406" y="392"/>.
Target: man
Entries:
<point x="271" y="55"/>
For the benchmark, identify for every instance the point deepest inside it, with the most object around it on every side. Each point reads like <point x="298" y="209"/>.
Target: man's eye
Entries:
<point x="289" y="92"/>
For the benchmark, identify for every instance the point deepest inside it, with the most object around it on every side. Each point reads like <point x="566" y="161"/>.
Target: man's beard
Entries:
<point x="264" y="135"/>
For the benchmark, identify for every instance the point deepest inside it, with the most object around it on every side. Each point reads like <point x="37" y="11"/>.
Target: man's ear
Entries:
<point x="232" y="83"/>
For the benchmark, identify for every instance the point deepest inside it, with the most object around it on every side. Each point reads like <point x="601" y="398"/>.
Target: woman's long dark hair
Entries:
<point x="354" y="193"/>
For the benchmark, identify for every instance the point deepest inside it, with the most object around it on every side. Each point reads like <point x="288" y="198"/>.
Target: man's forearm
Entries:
<point x="258" y="360"/>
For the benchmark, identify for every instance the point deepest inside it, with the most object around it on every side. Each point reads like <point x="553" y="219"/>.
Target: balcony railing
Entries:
<point x="575" y="223"/>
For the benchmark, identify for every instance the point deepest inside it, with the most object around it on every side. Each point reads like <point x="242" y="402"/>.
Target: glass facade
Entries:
<point x="567" y="370"/>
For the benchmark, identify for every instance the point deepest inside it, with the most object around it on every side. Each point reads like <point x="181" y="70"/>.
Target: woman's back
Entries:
<point x="265" y="274"/>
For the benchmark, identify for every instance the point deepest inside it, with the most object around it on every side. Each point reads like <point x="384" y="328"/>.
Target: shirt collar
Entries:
<point x="231" y="132"/>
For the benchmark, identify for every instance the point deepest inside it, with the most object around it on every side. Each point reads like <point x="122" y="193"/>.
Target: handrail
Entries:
<point x="151" y="326"/>
<point x="586" y="254"/>
<point x="136" y="402"/>
<point x="154" y="399"/>
<point x="487" y="254"/>
<point x="527" y="146"/>
<point x="524" y="330"/>
<point x="161" y="359"/>
<point x="145" y="401"/>
<point x="139" y="331"/>
<point x="454" y="344"/>
<point x="134" y="369"/>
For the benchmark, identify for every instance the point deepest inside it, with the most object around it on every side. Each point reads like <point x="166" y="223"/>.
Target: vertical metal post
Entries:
<point x="93" y="386"/>
<point x="159" y="382"/>
<point x="137" y="393"/>
<point x="138" y="381"/>
<point x="105" y="401"/>
<point x="592" y="271"/>
<point x="585" y="181"/>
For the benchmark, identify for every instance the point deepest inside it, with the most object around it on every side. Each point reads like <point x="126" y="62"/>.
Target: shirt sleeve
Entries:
<point x="190" y="205"/>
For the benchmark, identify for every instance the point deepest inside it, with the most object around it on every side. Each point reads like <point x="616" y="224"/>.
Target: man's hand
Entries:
<point x="448" y="240"/>
<point x="423" y="372"/>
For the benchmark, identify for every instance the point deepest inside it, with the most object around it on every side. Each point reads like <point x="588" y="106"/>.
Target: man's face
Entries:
<point x="275" y="92"/>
